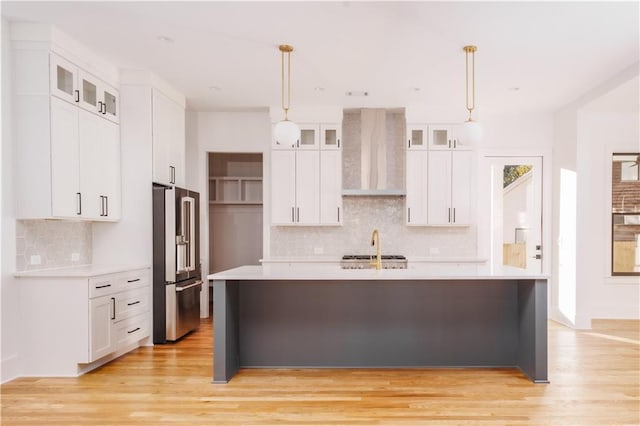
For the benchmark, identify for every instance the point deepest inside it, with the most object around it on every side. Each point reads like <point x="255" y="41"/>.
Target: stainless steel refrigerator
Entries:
<point x="177" y="279"/>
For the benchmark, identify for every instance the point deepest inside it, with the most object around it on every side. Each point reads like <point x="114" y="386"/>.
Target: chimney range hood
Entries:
<point x="373" y="152"/>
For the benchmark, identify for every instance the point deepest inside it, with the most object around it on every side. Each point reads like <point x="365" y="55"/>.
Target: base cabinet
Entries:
<point x="83" y="322"/>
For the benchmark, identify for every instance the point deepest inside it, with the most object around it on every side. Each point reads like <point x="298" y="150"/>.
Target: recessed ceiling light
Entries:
<point x="416" y="89"/>
<point x="514" y="89"/>
<point x="356" y="93"/>
<point x="318" y="89"/>
<point x="215" y="88"/>
<point x="165" y="39"/>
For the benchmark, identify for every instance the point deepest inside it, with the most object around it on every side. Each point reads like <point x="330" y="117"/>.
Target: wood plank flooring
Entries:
<point x="595" y="380"/>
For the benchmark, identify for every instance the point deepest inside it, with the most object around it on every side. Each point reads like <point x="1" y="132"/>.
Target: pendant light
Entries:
<point x="286" y="132"/>
<point x="472" y="130"/>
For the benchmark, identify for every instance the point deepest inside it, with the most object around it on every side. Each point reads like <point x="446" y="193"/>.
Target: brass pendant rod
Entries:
<point x="470" y="101"/>
<point x="286" y="49"/>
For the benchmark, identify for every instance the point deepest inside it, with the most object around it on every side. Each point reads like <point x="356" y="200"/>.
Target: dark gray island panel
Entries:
<point x="380" y="324"/>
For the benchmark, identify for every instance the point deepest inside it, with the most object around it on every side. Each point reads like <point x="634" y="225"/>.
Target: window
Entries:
<point x="625" y="214"/>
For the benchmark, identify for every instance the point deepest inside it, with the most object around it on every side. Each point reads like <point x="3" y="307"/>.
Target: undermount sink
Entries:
<point x="363" y="261"/>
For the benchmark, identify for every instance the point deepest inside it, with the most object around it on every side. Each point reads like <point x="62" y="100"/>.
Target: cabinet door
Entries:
<point x="168" y="140"/>
<point x="110" y="170"/>
<point x="309" y="136"/>
<point x="101" y="315"/>
<point x="63" y="77"/>
<point x="283" y="187"/>
<point x="440" y="136"/>
<point x="331" y="187"/>
<point x="66" y="198"/>
<point x="109" y="103"/>
<point x="89" y="92"/>
<point x="461" y="181"/>
<point x="439" y="188"/>
<point x="308" y="187"/>
<point x="416" y="136"/>
<point x="330" y="136"/>
<point x="92" y="164"/>
<point x="416" y="179"/>
<point x="460" y="141"/>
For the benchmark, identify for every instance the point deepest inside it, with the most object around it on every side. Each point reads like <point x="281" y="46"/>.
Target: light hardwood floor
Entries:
<point x="595" y="380"/>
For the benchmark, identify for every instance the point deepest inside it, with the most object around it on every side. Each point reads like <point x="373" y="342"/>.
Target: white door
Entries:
<point x="101" y="314"/>
<point x="515" y="211"/>
<point x="308" y="187"/>
<point x="331" y="187"/>
<point x="439" y="188"/>
<point x="66" y="198"/>
<point x="110" y="170"/>
<point x="176" y="132"/>
<point x="283" y="187"/>
<point x="417" y="178"/>
<point x="166" y="150"/>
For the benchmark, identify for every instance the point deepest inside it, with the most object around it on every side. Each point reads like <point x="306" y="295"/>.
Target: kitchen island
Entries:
<point x="294" y="316"/>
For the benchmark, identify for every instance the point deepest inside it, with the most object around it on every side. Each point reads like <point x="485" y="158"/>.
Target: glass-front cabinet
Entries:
<point x="63" y="79"/>
<point x="417" y="136"/>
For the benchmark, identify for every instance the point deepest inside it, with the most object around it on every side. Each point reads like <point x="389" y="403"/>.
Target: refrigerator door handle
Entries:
<point x="170" y="233"/>
<point x="188" y="230"/>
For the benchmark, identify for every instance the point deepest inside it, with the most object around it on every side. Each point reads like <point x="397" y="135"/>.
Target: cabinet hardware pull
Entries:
<point x="293" y="217"/>
<point x="103" y="286"/>
<point x="133" y="281"/>
<point x="409" y="214"/>
<point x="77" y="97"/>
<point x="449" y="215"/>
<point x="99" y="107"/>
<point x="409" y="143"/>
<point x="455" y="142"/>
<point x="298" y="213"/>
<point x="454" y="215"/>
<point x="106" y="205"/>
<point x="338" y="143"/>
<point x="449" y="143"/>
<point x="79" y="212"/>
<point x="113" y="301"/>
<point x="338" y="214"/>
<point x="101" y="205"/>
<point x="134" y="330"/>
<point x="133" y="303"/>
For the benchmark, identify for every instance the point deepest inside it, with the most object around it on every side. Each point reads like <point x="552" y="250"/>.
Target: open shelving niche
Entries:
<point x="235" y="179"/>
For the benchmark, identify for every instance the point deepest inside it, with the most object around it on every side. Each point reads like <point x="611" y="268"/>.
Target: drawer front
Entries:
<point x="103" y="285"/>
<point x="132" y="303"/>
<point x="135" y="279"/>
<point x="131" y="330"/>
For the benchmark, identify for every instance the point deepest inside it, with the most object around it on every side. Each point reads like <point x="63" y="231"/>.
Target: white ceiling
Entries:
<point x="552" y="52"/>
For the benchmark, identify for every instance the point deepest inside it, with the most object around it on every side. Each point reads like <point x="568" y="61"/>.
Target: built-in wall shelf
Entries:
<point x="235" y="190"/>
<point x="235" y="178"/>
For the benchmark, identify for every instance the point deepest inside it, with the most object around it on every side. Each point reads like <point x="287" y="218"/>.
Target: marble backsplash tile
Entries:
<point x="361" y="216"/>
<point x="55" y="241"/>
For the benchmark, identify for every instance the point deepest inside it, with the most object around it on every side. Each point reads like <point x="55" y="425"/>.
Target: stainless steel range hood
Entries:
<point x="373" y="154"/>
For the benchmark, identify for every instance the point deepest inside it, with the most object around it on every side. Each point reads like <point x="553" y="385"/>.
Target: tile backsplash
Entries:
<point x="361" y="216"/>
<point x="57" y="243"/>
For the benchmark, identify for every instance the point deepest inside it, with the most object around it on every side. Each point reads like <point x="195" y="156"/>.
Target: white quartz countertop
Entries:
<point x="334" y="272"/>
<point x="83" y="271"/>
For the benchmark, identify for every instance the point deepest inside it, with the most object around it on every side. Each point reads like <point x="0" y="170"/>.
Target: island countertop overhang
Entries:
<point x="335" y="273"/>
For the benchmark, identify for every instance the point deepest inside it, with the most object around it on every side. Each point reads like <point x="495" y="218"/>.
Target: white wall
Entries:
<point x="586" y="132"/>
<point x="226" y="132"/>
<point x="9" y="295"/>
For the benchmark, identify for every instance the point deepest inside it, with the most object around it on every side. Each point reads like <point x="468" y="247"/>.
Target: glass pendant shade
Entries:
<point x="287" y="133"/>
<point x="472" y="133"/>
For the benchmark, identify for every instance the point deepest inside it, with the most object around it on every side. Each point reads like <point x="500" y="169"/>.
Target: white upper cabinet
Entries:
<point x="306" y="179"/>
<point x="64" y="79"/>
<point x="309" y="138"/>
<point x="66" y="197"/>
<point x="168" y="140"/>
<point x="331" y="136"/>
<point x="447" y="137"/>
<point x="331" y="187"/>
<point x="75" y="85"/>
<point x="67" y="152"/>
<point x="417" y="166"/>
<point x="449" y="187"/>
<point x="417" y="136"/>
